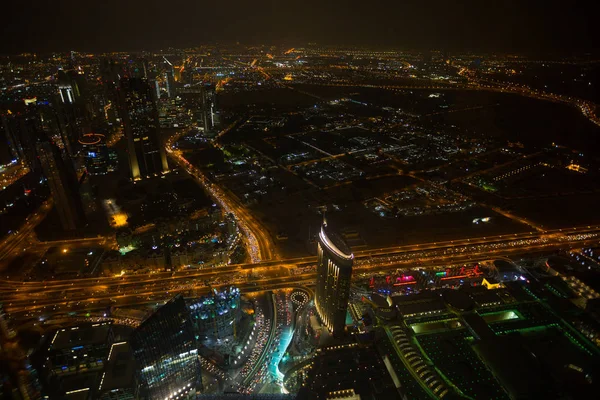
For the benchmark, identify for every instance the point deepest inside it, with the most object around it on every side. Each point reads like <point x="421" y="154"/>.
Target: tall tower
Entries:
<point x="22" y="131"/>
<point x="170" y="81"/>
<point x="64" y="187"/>
<point x="170" y="78"/>
<point x="147" y="157"/>
<point x="165" y="350"/>
<point x="210" y="116"/>
<point x="334" y="272"/>
<point x="73" y="109"/>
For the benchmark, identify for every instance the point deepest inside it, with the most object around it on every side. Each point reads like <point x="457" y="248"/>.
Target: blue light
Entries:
<point x="91" y="154"/>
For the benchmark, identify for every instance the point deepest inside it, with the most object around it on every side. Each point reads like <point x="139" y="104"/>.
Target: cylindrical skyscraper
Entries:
<point x="334" y="272"/>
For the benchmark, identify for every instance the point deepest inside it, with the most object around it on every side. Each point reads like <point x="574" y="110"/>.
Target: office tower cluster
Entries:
<point x="158" y="360"/>
<point x="139" y="115"/>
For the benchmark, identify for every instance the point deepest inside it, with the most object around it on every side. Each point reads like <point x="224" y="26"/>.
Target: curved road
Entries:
<point x="259" y="243"/>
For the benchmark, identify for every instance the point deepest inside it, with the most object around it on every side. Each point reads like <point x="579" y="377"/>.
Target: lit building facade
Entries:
<point x="165" y="349"/>
<point x="139" y="114"/>
<point x="334" y="272"/>
<point x="218" y="315"/>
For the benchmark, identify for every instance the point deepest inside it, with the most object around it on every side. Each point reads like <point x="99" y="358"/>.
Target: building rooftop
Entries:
<point x="349" y="366"/>
<point x="82" y="335"/>
<point x="422" y="303"/>
<point x="120" y="368"/>
<point x="458" y="299"/>
<point x="80" y="387"/>
<point x="478" y="326"/>
<point x="335" y="243"/>
<point x="513" y="366"/>
<point x="486" y="297"/>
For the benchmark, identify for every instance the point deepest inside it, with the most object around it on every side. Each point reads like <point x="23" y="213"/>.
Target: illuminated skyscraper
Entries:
<point x="147" y="157"/>
<point x="165" y="349"/>
<point x="64" y="186"/>
<point x="334" y="272"/>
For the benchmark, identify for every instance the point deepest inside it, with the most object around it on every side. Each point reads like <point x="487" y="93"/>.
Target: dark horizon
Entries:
<point x="532" y="28"/>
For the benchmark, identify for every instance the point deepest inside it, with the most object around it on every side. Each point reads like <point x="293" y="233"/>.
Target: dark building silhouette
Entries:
<point x="73" y="109"/>
<point x="8" y="152"/>
<point x="63" y="184"/>
<point x="210" y="116"/>
<point x="147" y="157"/>
<point x="348" y="372"/>
<point x="22" y="131"/>
<point x="165" y="349"/>
<point x="334" y="271"/>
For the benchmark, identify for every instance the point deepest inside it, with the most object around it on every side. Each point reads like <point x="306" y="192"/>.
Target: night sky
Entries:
<point x="492" y="25"/>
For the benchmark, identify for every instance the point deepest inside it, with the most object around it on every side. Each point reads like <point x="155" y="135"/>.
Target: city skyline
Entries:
<point x="300" y="222"/>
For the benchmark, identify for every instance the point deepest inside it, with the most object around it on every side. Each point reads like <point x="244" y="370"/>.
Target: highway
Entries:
<point x="39" y="299"/>
<point x="266" y="271"/>
<point x="25" y="239"/>
<point x="260" y="246"/>
<point x="11" y="244"/>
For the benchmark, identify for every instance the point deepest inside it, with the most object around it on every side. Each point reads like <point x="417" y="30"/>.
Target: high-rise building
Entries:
<point x="69" y="120"/>
<point x="334" y="272"/>
<point x="74" y="110"/>
<point x="170" y="82"/>
<point x="217" y="315"/>
<point x="210" y="116"/>
<point x="147" y="157"/>
<point x="165" y="349"/>
<point x="69" y="83"/>
<point x="169" y="78"/>
<point x="22" y="131"/>
<point x="96" y="153"/>
<point x="64" y="186"/>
